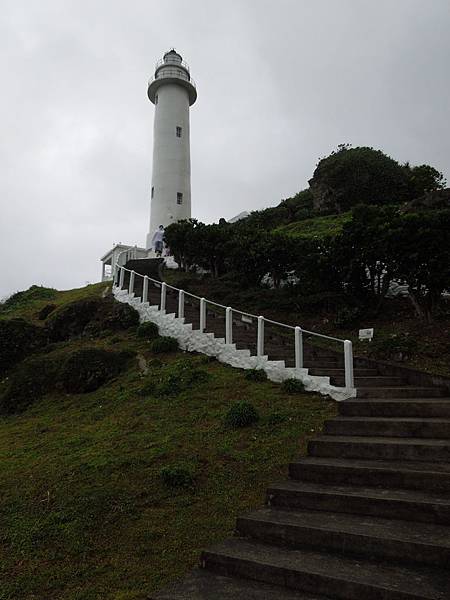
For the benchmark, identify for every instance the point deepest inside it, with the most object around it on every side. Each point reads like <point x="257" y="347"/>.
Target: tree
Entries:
<point x="179" y="238"/>
<point x="362" y="175"/>
<point x="420" y="245"/>
<point x="423" y="179"/>
<point x="365" y="250"/>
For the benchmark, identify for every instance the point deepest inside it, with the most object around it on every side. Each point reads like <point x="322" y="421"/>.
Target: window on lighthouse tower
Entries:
<point x="179" y="198"/>
<point x="178" y="130"/>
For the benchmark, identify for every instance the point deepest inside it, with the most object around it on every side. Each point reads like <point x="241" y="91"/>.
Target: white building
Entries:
<point x="172" y="91"/>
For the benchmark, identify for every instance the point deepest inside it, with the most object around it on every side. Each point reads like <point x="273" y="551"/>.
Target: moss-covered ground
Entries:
<point x="323" y="226"/>
<point x="84" y="512"/>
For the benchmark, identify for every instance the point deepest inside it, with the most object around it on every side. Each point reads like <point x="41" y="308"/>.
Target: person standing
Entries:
<point x="158" y="241"/>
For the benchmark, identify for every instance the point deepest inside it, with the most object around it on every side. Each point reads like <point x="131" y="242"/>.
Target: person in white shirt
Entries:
<point x="157" y="240"/>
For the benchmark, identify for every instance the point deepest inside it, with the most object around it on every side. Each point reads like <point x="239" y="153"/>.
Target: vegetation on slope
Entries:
<point x="316" y="227"/>
<point x="112" y="493"/>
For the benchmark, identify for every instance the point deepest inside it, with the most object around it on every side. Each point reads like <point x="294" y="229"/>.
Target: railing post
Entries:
<point x="228" y="325"/>
<point x="122" y="274"/>
<point x="145" y="289"/>
<point x="163" y="296"/>
<point x="131" y="283"/>
<point x="180" y="304"/>
<point x="260" y="342"/>
<point x="202" y="314"/>
<point x="298" y="348"/>
<point x="348" y="361"/>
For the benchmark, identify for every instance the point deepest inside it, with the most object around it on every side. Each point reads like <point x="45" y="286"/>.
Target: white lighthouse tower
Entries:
<point x="172" y="91"/>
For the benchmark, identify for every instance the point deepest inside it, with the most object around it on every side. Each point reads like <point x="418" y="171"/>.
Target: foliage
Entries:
<point x="397" y="346"/>
<point x="179" y="238"/>
<point x="255" y="375"/>
<point x="346" y="317"/>
<point x="86" y="369"/>
<point x="241" y="414"/>
<point x="18" y="339"/>
<point x="176" y="476"/>
<point x="421" y="249"/>
<point x="423" y="179"/>
<point x="164" y="344"/>
<point x="32" y="378"/>
<point x="90" y="316"/>
<point x="324" y="226"/>
<point x="362" y="175"/>
<point x="27" y="297"/>
<point x="293" y="386"/>
<point x="173" y="379"/>
<point x="45" y="311"/>
<point x="147" y="330"/>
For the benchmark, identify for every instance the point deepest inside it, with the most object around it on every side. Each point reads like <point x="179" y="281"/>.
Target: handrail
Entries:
<point x="299" y="331"/>
<point x="162" y="62"/>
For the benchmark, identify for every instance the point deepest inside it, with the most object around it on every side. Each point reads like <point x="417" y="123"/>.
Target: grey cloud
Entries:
<point x="280" y="84"/>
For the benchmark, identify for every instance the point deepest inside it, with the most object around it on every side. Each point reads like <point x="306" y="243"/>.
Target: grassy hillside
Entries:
<point x="324" y="226"/>
<point x="85" y="511"/>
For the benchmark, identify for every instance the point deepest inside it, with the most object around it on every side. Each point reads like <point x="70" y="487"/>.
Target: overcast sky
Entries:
<point x="280" y="84"/>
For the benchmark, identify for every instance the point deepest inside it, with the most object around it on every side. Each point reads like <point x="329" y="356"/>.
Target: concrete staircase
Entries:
<point x="366" y="515"/>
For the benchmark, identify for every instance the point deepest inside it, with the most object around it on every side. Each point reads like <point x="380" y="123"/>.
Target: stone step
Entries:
<point x="391" y="427"/>
<point x="396" y="407"/>
<point x="410" y="505"/>
<point x="402" y="392"/>
<point x="383" y="448"/>
<point x="201" y="584"/>
<point x="328" y="574"/>
<point x="358" y="372"/>
<point x="371" y="381"/>
<point x="350" y="534"/>
<point x="434" y="477"/>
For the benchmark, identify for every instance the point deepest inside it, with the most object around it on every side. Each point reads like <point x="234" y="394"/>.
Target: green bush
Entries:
<point x="85" y="370"/>
<point x="164" y="344"/>
<point x="27" y="297"/>
<point x="241" y="414"/>
<point x="31" y="379"/>
<point x="177" y="476"/>
<point x="347" y="317"/>
<point x="45" y="311"/>
<point x="18" y="338"/>
<point x="255" y="375"/>
<point x="90" y="317"/>
<point x="398" y="347"/>
<point x="148" y="330"/>
<point x="174" y="378"/>
<point x="292" y="386"/>
<point x="276" y="417"/>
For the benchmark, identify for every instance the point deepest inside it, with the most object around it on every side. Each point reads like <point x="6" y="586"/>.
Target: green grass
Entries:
<point x="84" y="512"/>
<point x="330" y="225"/>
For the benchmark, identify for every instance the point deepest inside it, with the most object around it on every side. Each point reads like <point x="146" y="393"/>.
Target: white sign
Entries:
<point x="366" y="334"/>
<point x="246" y="319"/>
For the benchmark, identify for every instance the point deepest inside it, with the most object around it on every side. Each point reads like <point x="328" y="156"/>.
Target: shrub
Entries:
<point x="27" y="297"/>
<point x="241" y="414"/>
<point x="45" y="311"/>
<point x="18" y="338"/>
<point x="148" y="330"/>
<point x="292" y="386"/>
<point x="173" y="379"/>
<point x="164" y="344"/>
<point x="255" y="375"/>
<point x="346" y="317"/>
<point x="87" y="369"/>
<point x="276" y="417"/>
<point x="176" y="476"/>
<point x="90" y="316"/>
<point x="29" y="381"/>
<point x="398" y="346"/>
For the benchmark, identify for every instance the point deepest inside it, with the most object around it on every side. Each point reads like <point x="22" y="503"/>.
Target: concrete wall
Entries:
<point x="171" y="158"/>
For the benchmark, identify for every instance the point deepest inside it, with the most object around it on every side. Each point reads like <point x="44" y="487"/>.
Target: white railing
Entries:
<point x="119" y="275"/>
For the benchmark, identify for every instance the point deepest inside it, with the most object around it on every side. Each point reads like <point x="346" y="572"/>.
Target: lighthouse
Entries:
<point x="172" y="91"/>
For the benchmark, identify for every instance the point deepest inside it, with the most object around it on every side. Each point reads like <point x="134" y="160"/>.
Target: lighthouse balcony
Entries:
<point x="172" y="74"/>
<point x="172" y="60"/>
